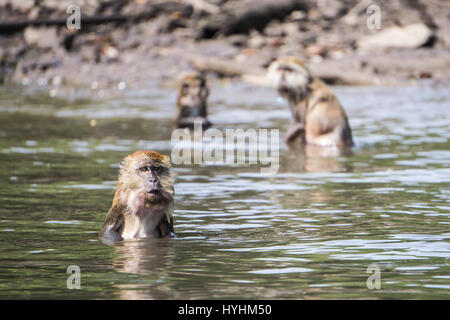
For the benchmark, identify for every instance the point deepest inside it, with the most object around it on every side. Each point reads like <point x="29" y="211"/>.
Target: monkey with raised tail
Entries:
<point x="192" y="102"/>
<point x="318" y="116"/>
<point x="143" y="202"/>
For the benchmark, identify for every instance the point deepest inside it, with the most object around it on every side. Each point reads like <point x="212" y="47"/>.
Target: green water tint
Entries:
<point x="311" y="231"/>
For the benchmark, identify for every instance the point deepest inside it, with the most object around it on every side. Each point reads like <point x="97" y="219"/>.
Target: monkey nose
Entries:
<point x="153" y="185"/>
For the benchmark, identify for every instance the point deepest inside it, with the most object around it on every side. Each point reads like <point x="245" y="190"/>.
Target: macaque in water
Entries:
<point x="318" y="116"/>
<point x="143" y="201"/>
<point x="191" y="104"/>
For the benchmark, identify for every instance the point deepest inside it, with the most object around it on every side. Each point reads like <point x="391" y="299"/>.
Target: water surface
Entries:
<point x="309" y="232"/>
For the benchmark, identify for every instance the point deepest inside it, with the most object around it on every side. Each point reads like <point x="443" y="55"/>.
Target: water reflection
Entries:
<point x="153" y="258"/>
<point x="144" y="257"/>
<point x="301" y="157"/>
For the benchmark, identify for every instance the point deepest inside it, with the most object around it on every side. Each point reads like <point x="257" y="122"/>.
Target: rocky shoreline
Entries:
<point x="125" y="43"/>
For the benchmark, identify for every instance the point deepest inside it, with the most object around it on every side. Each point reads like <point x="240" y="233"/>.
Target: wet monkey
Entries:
<point x="192" y="102"/>
<point x="143" y="200"/>
<point x="318" y="116"/>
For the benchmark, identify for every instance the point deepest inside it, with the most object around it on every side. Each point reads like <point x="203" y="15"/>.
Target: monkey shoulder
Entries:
<point x="113" y="224"/>
<point x="326" y="100"/>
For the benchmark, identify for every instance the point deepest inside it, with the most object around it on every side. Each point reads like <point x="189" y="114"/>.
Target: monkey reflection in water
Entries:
<point x="312" y="158"/>
<point x="143" y="202"/>
<point x="152" y="258"/>
<point x="319" y="118"/>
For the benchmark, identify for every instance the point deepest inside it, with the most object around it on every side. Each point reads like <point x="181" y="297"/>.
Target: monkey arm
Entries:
<point x="294" y="131"/>
<point x="166" y="228"/>
<point x="113" y="224"/>
<point x="335" y="137"/>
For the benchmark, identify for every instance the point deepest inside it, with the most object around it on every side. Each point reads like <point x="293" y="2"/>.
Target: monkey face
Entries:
<point x="148" y="173"/>
<point x="289" y="76"/>
<point x="192" y="96"/>
<point x="143" y="202"/>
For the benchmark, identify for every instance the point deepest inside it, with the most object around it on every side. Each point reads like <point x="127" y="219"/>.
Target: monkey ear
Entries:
<point x="123" y="165"/>
<point x="166" y="159"/>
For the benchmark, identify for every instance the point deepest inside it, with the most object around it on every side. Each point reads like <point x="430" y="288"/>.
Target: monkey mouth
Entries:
<point x="284" y="87"/>
<point x="153" y="192"/>
<point x="156" y="196"/>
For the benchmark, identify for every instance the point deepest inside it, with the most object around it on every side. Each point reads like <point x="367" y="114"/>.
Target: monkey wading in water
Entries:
<point x="318" y="116"/>
<point x="191" y="103"/>
<point x="143" y="201"/>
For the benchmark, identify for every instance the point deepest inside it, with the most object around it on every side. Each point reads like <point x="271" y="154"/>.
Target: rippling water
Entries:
<point x="309" y="232"/>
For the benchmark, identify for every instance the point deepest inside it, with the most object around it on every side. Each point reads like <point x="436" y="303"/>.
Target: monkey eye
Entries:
<point x="156" y="169"/>
<point x="285" y="69"/>
<point x="185" y="86"/>
<point x="144" y="169"/>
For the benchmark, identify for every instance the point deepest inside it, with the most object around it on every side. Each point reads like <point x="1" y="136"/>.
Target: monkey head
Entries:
<point x="290" y="76"/>
<point x="143" y="201"/>
<point x="148" y="174"/>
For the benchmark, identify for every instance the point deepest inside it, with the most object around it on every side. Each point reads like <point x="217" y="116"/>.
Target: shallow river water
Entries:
<point x="309" y="232"/>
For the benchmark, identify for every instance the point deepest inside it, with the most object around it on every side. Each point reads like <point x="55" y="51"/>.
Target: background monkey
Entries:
<point x="143" y="201"/>
<point x="318" y="115"/>
<point x="191" y="104"/>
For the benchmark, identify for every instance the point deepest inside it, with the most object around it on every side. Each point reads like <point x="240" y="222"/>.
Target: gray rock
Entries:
<point x="43" y="37"/>
<point x="411" y="36"/>
<point x="330" y="8"/>
<point x="22" y="5"/>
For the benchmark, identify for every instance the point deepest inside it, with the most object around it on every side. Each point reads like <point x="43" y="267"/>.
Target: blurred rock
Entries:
<point x="243" y="16"/>
<point x="330" y="9"/>
<point x="412" y="36"/>
<point x="296" y="16"/>
<point x="121" y="38"/>
<point x="41" y="37"/>
<point x="274" y="29"/>
<point x="109" y="53"/>
<point x="256" y="40"/>
<point x="238" y="40"/>
<point x="89" y="7"/>
<point x="317" y="49"/>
